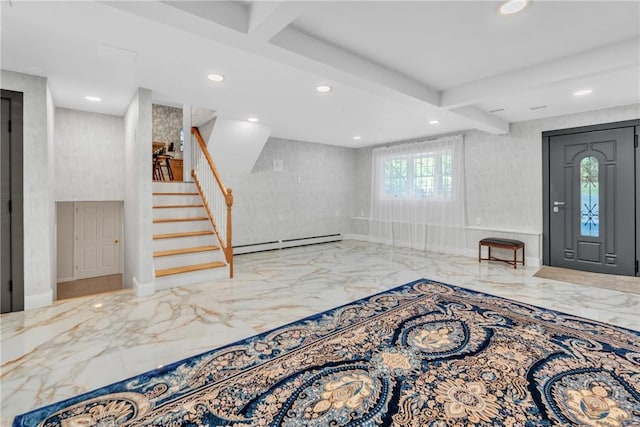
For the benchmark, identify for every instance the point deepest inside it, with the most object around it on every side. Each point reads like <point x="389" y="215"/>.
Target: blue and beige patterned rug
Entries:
<point x="422" y="354"/>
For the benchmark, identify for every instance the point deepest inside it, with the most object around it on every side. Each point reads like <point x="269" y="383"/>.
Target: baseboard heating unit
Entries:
<point x="285" y="243"/>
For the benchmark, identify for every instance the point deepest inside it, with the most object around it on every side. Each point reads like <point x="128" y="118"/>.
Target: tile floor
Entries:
<point x="77" y="345"/>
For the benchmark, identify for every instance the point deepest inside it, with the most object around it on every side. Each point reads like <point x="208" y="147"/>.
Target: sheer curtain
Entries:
<point x="418" y="195"/>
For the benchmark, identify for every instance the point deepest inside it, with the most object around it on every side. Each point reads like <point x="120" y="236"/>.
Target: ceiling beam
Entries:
<point x="300" y="50"/>
<point x="482" y="120"/>
<point x="592" y="62"/>
<point x="228" y="27"/>
<point x="340" y="59"/>
<point x="231" y="14"/>
<point x="268" y="18"/>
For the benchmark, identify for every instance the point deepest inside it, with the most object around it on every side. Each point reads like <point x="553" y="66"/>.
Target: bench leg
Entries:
<point x="479" y="252"/>
<point x="515" y="259"/>
<point x="523" y="256"/>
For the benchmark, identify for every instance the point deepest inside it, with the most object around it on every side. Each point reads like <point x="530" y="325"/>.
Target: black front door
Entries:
<point x="592" y="201"/>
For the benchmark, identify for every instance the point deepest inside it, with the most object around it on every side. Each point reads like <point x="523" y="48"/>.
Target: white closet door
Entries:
<point x="97" y="239"/>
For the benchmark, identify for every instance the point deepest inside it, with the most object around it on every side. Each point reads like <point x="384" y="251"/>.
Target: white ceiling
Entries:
<point x="393" y="66"/>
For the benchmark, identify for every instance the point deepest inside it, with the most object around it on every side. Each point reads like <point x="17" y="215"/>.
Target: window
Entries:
<point x="417" y="197"/>
<point x="589" y="197"/>
<point x="420" y="175"/>
<point x="395" y="176"/>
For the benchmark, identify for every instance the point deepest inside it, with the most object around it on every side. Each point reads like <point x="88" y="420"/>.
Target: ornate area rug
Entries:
<point x="422" y="354"/>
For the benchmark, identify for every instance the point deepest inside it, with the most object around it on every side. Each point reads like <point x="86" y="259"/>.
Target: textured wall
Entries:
<point x="39" y="230"/>
<point x="167" y="122"/>
<point x="89" y="156"/>
<point x="313" y="195"/>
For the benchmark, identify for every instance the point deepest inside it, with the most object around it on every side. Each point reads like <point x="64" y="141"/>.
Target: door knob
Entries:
<point x="116" y="241"/>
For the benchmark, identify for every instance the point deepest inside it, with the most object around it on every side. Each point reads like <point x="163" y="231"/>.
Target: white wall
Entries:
<point x="89" y="150"/>
<point x="235" y="145"/>
<point x="138" y="263"/>
<point x="64" y="241"/>
<point x="313" y="195"/>
<point x="51" y="126"/>
<point x="39" y="215"/>
<point x="503" y="178"/>
<point x="188" y="142"/>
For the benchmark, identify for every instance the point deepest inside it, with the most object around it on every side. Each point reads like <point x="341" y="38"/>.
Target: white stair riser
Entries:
<point x="184" y="242"/>
<point x="192" y="278"/>
<point x="178" y="212"/>
<point x="162" y="262"/>
<point x="176" y="200"/>
<point x="171" y="261"/>
<point x="180" y="226"/>
<point x="174" y="187"/>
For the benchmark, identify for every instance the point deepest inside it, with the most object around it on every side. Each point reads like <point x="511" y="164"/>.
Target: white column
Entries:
<point x="188" y="142"/>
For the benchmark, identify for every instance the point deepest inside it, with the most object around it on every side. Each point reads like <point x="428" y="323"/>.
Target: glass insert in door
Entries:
<point x="589" y="197"/>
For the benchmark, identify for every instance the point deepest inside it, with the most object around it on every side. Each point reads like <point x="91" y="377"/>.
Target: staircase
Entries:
<point x="186" y="249"/>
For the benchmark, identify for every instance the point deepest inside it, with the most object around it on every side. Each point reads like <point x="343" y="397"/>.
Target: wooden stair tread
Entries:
<point x="185" y="251"/>
<point x="175" y="194"/>
<point x="183" y="234"/>
<point x="177" y="206"/>
<point x="189" y="268"/>
<point x="161" y="220"/>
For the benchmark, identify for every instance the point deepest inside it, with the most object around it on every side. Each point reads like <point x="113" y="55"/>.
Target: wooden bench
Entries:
<point x="494" y="242"/>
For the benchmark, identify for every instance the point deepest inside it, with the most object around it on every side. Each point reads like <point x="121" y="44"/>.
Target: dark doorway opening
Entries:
<point x="11" y="212"/>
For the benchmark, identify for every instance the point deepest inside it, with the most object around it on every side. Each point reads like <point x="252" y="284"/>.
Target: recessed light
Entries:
<point x="93" y="98"/>
<point x="215" y="77"/>
<point x="582" y="92"/>
<point x="513" y="6"/>
<point x="252" y="119"/>
<point x="98" y="305"/>
<point x="323" y="88"/>
<point x="434" y="122"/>
<point x="357" y="137"/>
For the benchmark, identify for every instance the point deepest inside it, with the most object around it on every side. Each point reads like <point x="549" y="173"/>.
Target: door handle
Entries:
<point x="556" y="203"/>
<point x="116" y="241"/>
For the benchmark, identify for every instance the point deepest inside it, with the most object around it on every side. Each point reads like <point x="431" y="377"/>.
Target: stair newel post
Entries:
<point x="228" y="198"/>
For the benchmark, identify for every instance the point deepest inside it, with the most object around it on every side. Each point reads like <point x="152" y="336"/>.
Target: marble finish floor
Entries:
<point x="77" y="345"/>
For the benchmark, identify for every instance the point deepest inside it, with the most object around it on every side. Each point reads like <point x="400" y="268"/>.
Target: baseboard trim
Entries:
<point x="359" y="237"/>
<point x="286" y="243"/>
<point x="144" y="289"/>
<point x="65" y="279"/>
<point x="44" y="299"/>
